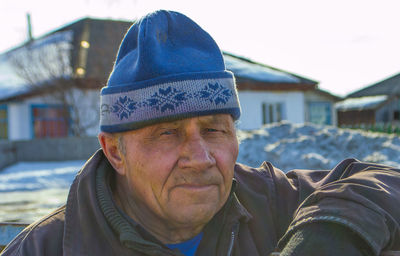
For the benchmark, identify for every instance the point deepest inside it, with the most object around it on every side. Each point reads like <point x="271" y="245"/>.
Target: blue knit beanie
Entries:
<point x="167" y="68"/>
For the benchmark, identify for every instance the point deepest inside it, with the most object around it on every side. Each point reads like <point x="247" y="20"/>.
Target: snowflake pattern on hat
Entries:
<point x="124" y="107"/>
<point x="167" y="99"/>
<point x="216" y="93"/>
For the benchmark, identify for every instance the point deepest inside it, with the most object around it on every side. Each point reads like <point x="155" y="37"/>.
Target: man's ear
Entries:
<point x="109" y="144"/>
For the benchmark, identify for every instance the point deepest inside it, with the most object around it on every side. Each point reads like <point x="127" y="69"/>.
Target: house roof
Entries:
<point x="248" y="69"/>
<point x="11" y="83"/>
<point x="327" y="94"/>
<point x="361" y="103"/>
<point x="255" y="76"/>
<point x="13" y="86"/>
<point x="388" y="86"/>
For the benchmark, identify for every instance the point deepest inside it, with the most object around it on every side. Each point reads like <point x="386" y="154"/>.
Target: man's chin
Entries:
<point x="189" y="204"/>
<point x="195" y="213"/>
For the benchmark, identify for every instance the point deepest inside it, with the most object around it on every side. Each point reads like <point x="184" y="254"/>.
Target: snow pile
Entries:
<point x="294" y="146"/>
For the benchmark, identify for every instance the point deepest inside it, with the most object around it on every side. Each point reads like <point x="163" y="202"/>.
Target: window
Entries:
<point x="3" y="122"/>
<point x="273" y="112"/>
<point x="396" y="115"/>
<point x="50" y="121"/>
<point x="320" y="113"/>
<point x="396" y="112"/>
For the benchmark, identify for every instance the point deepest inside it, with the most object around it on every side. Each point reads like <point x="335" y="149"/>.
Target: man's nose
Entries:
<point x="195" y="153"/>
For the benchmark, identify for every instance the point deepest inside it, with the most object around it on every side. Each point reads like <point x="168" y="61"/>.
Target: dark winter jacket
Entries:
<point x="265" y="208"/>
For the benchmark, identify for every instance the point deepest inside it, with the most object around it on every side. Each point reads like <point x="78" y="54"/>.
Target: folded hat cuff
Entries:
<point x="130" y="107"/>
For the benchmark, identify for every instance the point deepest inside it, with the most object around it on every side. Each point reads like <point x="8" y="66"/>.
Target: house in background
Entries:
<point x="49" y="87"/>
<point x="60" y="96"/>
<point x="376" y="104"/>
<point x="270" y="95"/>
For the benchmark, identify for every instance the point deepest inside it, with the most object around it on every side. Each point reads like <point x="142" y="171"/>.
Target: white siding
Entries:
<point x="20" y="118"/>
<point x="19" y="121"/>
<point x="251" y="103"/>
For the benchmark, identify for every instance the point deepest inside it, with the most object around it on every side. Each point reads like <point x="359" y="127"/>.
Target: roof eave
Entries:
<point x="247" y="84"/>
<point x="82" y="83"/>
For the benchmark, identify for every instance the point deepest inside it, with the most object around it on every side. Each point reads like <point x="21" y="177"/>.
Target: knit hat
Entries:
<point x="167" y="68"/>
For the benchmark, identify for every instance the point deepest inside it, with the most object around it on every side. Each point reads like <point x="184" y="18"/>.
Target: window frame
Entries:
<point x="4" y="107"/>
<point x="48" y="106"/>
<point x="330" y="114"/>
<point x="273" y="112"/>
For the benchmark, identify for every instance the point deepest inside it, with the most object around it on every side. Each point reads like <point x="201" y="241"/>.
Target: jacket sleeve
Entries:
<point x="44" y="238"/>
<point x="328" y="239"/>
<point x="362" y="197"/>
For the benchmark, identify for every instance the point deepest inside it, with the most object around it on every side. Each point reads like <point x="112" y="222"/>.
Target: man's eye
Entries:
<point x="212" y="130"/>
<point x="168" y="132"/>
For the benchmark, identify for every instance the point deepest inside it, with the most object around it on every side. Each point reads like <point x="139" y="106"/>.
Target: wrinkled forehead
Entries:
<point x="222" y="120"/>
<point x="217" y="119"/>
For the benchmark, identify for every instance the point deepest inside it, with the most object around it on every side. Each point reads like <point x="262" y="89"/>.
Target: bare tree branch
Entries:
<point x="47" y="69"/>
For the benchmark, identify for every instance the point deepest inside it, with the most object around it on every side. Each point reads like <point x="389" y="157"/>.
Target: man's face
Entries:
<point x="180" y="173"/>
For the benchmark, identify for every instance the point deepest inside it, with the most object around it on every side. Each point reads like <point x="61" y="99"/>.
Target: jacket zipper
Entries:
<point x="235" y="229"/>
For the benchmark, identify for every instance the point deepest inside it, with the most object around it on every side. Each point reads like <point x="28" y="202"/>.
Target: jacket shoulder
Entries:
<point x="261" y="177"/>
<point x="265" y="171"/>
<point x="254" y="178"/>
<point x="43" y="237"/>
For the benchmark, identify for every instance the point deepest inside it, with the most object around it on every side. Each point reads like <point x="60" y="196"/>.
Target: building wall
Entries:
<point x="20" y="117"/>
<point x="87" y="105"/>
<point x="7" y="156"/>
<point x="55" y="149"/>
<point x="251" y="103"/>
<point x="356" y="117"/>
<point x="20" y="113"/>
<point x="312" y="97"/>
<point x="19" y="121"/>
<point x="386" y="113"/>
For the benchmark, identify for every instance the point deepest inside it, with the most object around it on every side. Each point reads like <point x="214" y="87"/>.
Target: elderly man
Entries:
<point x="166" y="181"/>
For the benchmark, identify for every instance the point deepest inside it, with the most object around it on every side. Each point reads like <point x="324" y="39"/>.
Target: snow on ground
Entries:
<point x="27" y="176"/>
<point x="28" y="206"/>
<point x="294" y="146"/>
<point x="31" y="190"/>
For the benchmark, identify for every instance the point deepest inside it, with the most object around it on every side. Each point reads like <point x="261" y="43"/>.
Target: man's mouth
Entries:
<point x="195" y="187"/>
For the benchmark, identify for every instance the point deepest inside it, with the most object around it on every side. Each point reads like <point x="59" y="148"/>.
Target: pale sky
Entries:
<point x="343" y="44"/>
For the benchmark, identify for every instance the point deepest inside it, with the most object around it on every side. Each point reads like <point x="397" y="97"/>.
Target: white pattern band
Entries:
<point x="127" y="110"/>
